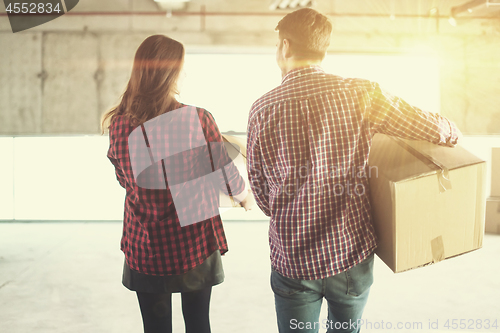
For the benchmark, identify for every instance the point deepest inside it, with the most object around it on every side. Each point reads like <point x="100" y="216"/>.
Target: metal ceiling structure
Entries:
<point x="290" y="4"/>
<point x="169" y="5"/>
<point x="393" y="8"/>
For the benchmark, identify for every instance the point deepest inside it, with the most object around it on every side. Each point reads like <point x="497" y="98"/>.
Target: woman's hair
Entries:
<point x="153" y="83"/>
<point x="308" y="32"/>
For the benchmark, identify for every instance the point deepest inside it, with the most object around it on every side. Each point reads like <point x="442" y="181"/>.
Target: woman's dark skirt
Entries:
<point x="209" y="273"/>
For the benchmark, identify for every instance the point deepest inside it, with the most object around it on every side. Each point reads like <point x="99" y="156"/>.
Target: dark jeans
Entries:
<point x="298" y="302"/>
<point x="156" y="310"/>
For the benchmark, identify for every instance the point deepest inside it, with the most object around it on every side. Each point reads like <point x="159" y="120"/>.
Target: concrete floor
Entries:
<point x="66" y="277"/>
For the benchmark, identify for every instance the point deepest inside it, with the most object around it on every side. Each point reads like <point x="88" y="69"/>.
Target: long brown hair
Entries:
<point x="153" y="83"/>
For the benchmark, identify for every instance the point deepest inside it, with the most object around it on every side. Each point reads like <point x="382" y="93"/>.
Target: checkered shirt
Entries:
<point x="308" y="145"/>
<point x="153" y="240"/>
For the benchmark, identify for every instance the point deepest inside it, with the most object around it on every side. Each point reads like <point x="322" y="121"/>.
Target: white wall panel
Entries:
<point x="70" y="178"/>
<point x="6" y="178"/>
<point x="65" y="178"/>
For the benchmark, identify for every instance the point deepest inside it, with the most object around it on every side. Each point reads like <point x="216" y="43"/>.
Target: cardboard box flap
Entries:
<point x="409" y="159"/>
<point x="237" y="145"/>
<point x="236" y="149"/>
<point x="452" y="158"/>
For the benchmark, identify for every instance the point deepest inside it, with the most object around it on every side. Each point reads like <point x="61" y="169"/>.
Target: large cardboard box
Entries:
<point x="492" y="224"/>
<point x="495" y="172"/>
<point x="428" y="202"/>
<point x="236" y="148"/>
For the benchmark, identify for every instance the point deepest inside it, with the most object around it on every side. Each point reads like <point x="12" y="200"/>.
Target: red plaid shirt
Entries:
<point x="307" y="149"/>
<point x="153" y="241"/>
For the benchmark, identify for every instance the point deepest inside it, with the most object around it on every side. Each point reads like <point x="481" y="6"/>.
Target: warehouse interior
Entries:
<point x="61" y="207"/>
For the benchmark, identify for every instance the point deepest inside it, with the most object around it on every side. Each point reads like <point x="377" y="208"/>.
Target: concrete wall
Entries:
<point x="58" y="78"/>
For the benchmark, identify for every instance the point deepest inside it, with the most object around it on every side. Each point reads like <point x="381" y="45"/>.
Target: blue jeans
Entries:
<point x="298" y="302"/>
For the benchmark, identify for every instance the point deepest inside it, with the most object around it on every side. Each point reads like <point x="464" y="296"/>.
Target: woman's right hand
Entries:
<point x="249" y="202"/>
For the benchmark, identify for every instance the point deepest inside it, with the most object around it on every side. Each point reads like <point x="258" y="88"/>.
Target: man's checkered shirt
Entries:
<point x="308" y="145"/>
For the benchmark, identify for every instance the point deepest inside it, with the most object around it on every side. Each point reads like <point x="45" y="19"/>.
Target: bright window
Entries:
<point x="228" y="84"/>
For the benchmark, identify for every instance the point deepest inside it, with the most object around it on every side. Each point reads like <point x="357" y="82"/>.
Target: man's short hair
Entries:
<point x="308" y="32"/>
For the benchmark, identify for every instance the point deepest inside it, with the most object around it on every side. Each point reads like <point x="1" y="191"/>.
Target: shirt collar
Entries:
<point x="298" y="72"/>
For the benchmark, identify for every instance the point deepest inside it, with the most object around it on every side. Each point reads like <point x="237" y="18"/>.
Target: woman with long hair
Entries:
<point x="161" y="150"/>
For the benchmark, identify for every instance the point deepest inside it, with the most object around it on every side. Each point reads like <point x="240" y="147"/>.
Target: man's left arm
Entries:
<point x="392" y="115"/>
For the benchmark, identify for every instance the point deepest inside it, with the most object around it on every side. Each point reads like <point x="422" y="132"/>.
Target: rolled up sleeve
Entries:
<point x="392" y="115"/>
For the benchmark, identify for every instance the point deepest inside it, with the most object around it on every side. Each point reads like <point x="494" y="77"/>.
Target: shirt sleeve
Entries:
<point x="118" y="171"/>
<point x="393" y="116"/>
<point x="120" y="176"/>
<point x="256" y="177"/>
<point x="220" y="158"/>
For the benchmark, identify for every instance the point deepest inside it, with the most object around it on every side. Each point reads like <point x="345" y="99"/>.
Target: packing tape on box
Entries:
<point x="437" y="247"/>
<point x="443" y="172"/>
<point x="444" y="179"/>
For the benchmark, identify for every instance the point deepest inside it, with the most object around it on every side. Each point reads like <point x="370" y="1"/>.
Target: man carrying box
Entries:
<point x="307" y="149"/>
